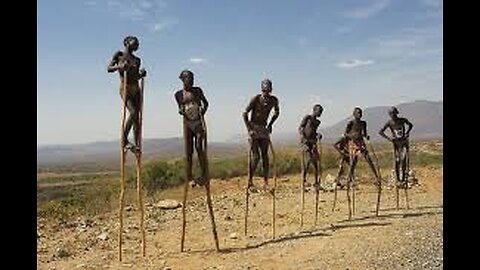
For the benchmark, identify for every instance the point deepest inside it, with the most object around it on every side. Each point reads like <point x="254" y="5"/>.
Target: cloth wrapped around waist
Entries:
<point x="356" y="147"/>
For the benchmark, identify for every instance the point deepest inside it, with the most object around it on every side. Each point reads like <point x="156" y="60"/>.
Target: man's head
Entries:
<point x="393" y="112"/>
<point x="187" y="78"/>
<point x="357" y="113"/>
<point x="131" y="43"/>
<point x="266" y="87"/>
<point x="317" y="110"/>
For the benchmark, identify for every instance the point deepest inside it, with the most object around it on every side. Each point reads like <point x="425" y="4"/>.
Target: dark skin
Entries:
<point x="356" y="131"/>
<point x="260" y="107"/>
<point x="192" y="105"/>
<point x="126" y="61"/>
<point x="308" y="139"/>
<point x="342" y="147"/>
<point x="399" y="139"/>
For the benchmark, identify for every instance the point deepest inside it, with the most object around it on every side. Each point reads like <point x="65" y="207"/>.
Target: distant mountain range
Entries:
<point x="427" y="117"/>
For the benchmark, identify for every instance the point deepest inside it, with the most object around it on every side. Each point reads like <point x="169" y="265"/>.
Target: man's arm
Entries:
<point x="410" y="126"/>
<point x="178" y="99"/>
<point x="338" y="143"/>
<point x="247" y="110"/>
<point x="348" y="128"/>
<point x="364" y="127"/>
<point x="382" y="131"/>
<point x="141" y="71"/>
<point x="114" y="64"/>
<point x="303" y="123"/>
<point x="276" y="113"/>
<point x="204" y="101"/>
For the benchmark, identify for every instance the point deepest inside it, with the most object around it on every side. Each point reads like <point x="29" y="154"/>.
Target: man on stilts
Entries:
<point x="355" y="133"/>
<point x="128" y="66"/>
<point x="309" y="139"/>
<point x="259" y="131"/>
<point x="401" y="148"/>
<point x="193" y="105"/>
<point x="259" y="139"/>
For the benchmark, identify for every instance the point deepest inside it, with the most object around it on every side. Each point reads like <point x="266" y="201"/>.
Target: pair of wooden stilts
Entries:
<point x="272" y="191"/>
<point x="316" y="185"/>
<point x="138" y="156"/>
<point x="206" y="185"/>
<point x="351" y="184"/>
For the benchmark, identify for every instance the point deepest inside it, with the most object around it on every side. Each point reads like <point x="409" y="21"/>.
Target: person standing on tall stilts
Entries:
<point x="401" y="148"/>
<point x="259" y="138"/>
<point x="193" y="105"/>
<point x="356" y="132"/>
<point x="310" y="155"/>
<point x="128" y="66"/>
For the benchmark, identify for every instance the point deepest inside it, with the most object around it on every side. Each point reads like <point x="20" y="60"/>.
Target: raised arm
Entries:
<point x="115" y="64"/>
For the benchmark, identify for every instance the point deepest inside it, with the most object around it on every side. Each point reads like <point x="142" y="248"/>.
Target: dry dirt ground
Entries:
<point x="397" y="239"/>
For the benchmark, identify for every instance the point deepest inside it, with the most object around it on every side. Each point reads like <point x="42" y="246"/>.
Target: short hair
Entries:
<point x="393" y="110"/>
<point x="318" y="105"/>
<point x="268" y="81"/>
<point x="357" y="108"/>
<point x="184" y="73"/>
<point x="128" y="38"/>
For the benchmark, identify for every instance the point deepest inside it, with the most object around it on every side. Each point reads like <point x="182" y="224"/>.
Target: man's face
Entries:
<point x="393" y="115"/>
<point x="132" y="44"/>
<point x="187" y="80"/>
<point x="317" y="111"/>
<point x="266" y="88"/>
<point x="357" y="114"/>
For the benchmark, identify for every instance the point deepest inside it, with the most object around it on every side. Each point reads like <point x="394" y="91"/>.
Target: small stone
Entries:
<point x="61" y="253"/>
<point x="128" y="208"/>
<point x="103" y="236"/>
<point x="233" y="236"/>
<point x="168" y="204"/>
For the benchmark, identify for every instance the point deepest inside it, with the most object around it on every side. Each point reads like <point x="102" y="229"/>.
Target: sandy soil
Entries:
<point x="406" y="239"/>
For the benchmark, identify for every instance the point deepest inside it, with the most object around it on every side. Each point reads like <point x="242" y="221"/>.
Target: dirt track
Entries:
<point x="407" y="239"/>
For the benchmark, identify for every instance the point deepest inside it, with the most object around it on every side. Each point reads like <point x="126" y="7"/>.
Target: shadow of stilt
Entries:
<point x="305" y="234"/>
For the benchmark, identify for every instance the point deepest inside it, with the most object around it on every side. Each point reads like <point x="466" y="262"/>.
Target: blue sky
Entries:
<point x="340" y="54"/>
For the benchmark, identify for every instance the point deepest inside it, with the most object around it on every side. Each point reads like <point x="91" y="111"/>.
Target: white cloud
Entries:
<point x="355" y="63"/>
<point x="165" y="24"/>
<point x="197" y="60"/>
<point x="147" y="10"/>
<point x="364" y="12"/>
